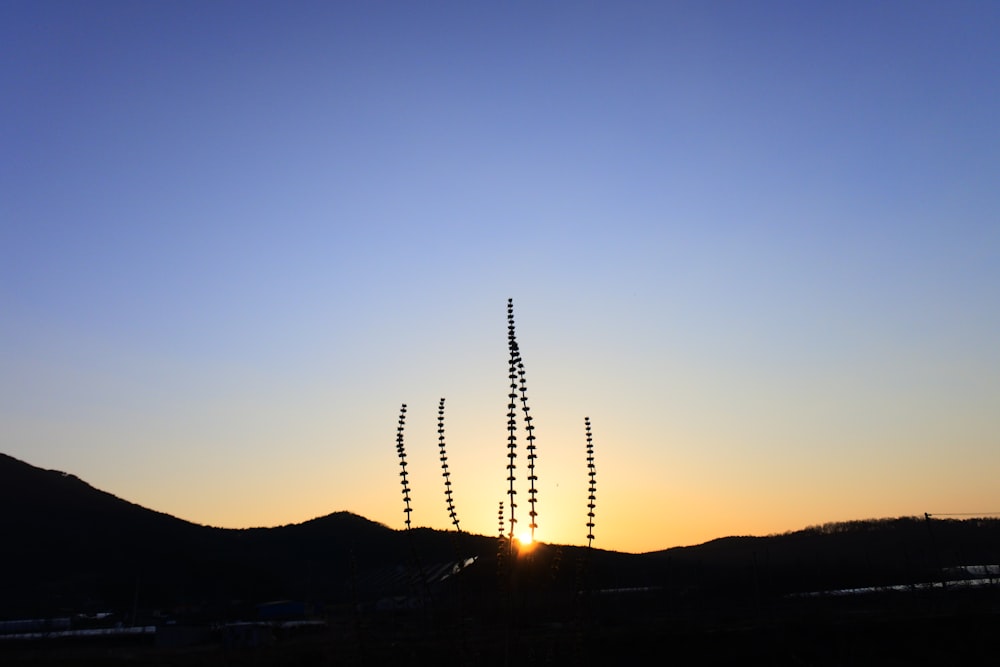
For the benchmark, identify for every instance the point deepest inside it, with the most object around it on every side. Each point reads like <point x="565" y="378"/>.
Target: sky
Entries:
<point x="757" y="244"/>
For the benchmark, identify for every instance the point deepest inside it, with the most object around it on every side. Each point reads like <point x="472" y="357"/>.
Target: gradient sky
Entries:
<point x="757" y="243"/>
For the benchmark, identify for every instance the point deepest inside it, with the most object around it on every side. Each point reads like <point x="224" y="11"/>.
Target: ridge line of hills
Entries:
<point x="70" y="546"/>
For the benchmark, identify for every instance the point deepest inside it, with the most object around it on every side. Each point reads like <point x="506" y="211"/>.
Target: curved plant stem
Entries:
<point x="401" y="451"/>
<point x="592" y="473"/>
<point x="519" y="389"/>
<point x="512" y="418"/>
<point x="444" y="468"/>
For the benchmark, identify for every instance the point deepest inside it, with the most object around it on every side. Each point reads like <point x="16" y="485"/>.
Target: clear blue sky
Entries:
<point x="757" y="243"/>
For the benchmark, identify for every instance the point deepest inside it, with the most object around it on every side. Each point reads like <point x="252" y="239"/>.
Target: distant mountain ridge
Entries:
<point x="70" y="546"/>
<point x="62" y="495"/>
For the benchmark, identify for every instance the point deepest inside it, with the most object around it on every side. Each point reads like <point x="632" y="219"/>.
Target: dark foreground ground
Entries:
<point x="953" y="628"/>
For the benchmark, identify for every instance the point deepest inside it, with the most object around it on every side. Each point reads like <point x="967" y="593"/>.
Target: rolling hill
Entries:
<point x="71" y="547"/>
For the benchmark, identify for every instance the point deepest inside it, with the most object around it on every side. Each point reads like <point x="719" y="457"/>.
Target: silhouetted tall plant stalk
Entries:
<point x="444" y="468"/>
<point x="583" y="565"/>
<point x="592" y="473"/>
<point x="512" y="418"/>
<point x="519" y="390"/>
<point x="507" y="522"/>
<point x="401" y="452"/>
<point x="458" y="638"/>
<point x="530" y="438"/>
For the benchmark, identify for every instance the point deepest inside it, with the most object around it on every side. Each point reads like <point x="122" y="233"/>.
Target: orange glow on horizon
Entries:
<point x="525" y="542"/>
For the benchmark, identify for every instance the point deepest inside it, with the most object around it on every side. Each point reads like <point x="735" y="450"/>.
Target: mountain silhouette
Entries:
<point x="69" y="547"/>
<point x="76" y="547"/>
<point x="70" y="550"/>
